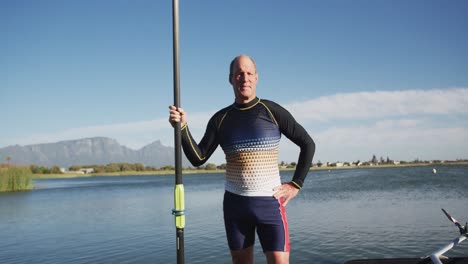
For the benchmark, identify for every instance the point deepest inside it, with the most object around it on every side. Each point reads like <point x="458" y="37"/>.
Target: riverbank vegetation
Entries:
<point x="116" y="169"/>
<point x="124" y="168"/>
<point x="15" y="179"/>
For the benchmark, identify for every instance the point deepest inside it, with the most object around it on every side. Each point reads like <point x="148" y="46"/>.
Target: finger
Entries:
<point x="174" y="118"/>
<point x="174" y="113"/>
<point x="278" y="194"/>
<point x="181" y="111"/>
<point x="277" y="188"/>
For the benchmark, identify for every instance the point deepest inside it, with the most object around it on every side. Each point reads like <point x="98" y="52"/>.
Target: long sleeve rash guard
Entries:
<point x="249" y="135"/>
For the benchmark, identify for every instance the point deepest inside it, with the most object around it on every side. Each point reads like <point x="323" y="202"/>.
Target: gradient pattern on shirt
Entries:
<point x="250" y="141"/>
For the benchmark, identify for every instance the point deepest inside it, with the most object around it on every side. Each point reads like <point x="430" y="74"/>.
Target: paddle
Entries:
<point x="179" y="203"/>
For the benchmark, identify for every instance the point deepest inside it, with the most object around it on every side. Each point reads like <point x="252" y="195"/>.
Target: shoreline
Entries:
<point x="194" y="171"/>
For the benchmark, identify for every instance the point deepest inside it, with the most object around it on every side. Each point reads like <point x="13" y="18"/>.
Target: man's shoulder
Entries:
<point x="224" y="110"/>
<point x="278" y="111"/>
<point x="266" y="101"/>
<point x="220" y="113"/>
<point x="271" y="104"/>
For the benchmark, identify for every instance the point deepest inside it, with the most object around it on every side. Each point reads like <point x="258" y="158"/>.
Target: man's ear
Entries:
<point x="229" y="78"/>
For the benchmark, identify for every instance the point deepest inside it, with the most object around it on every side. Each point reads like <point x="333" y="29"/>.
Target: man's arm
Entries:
<point x="197" y="154"/>
<point x="299" y="136"/>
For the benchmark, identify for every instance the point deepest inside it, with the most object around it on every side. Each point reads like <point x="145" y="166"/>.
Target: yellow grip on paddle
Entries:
<point x="179" y="206"/>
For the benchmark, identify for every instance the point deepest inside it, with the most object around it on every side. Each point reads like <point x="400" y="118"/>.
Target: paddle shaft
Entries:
<point x="179" y="188"/>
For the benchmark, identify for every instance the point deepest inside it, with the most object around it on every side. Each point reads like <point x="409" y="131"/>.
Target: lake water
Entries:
<point x="339" y="215"/>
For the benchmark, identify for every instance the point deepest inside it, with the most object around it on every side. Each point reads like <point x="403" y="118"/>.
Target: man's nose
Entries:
<point x="243" y="77"/>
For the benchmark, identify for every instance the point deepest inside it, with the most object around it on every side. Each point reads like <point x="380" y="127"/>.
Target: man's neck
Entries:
<point x="244" y="101"/>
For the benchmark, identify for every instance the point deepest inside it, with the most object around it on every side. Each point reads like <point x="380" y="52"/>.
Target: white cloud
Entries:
<point x="381" y="104"/>
<point x="395" y="138"/>
<point x="129" y="134"/>
<point x="399" y="124"/>
<point x="133" y="134"/>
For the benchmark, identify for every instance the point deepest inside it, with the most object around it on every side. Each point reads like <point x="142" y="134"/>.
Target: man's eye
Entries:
<point x="240" y="74"/>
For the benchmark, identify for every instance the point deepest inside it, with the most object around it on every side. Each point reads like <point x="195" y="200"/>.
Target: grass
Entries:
<point x="14" y="179"/>
<point x="123" y="173"/>
<point x="195" y="171"/>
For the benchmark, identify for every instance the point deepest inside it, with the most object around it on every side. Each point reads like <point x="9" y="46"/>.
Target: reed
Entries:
<point x="15" y="179"/>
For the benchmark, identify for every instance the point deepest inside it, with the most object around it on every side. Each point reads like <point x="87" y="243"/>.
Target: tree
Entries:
<point x="210" y="166"/>
<point x="55" y="170"/>
<point x="168" y="167"/>
<point x="150" y="168"/>
<point x="99" y="169"/>
<point x="139" y="167"/>
<point x="125" y="167"/>
<point x="8" y="159"/>
<point x="112" y="167"/>
<point x="374" y="159"/>
<point x="34" y="169"/>
<point x="74" y="168"/>
<point x="44" y="170"/>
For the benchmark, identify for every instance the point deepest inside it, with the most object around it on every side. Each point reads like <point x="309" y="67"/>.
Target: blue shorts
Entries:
<point x="243" y="215"/>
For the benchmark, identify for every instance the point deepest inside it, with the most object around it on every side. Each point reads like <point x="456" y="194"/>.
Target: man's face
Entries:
<point x="244" y="80"/>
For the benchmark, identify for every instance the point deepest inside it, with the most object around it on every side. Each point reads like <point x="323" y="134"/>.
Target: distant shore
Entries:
<point x="195" y="171"/>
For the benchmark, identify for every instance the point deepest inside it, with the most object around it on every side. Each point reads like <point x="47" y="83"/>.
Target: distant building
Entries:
<point x="87" y="170"/>
<point x="337" y="164"/>
<point x="63" y="170"/>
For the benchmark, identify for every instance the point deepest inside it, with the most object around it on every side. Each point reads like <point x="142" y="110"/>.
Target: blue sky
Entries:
<point x="388" y="78"/>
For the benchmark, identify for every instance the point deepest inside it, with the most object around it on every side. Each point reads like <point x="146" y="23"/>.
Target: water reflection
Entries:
<point x="339" y="215"/>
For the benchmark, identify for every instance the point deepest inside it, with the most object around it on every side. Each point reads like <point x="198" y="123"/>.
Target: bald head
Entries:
<point x="243" y="77"/>
<point x="236" y="59"/>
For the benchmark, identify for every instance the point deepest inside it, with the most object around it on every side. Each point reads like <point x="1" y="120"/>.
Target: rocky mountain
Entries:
<point x="97" y="150"/>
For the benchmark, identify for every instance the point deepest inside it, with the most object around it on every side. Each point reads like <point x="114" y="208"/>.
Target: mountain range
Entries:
<point x="88" y="151"/>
